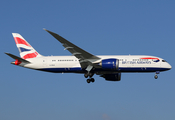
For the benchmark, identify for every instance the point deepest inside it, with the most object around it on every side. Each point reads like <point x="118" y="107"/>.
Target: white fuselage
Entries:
<point x="127" y="63"/>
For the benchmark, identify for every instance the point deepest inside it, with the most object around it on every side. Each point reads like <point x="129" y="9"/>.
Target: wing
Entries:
<point x="85" y="58"/>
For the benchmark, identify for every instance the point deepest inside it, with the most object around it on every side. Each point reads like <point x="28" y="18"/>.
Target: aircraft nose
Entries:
<point x="169" y="66"/>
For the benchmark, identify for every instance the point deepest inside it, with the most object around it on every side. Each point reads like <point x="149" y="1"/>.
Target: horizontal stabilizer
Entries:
<point x="17" y="58"/>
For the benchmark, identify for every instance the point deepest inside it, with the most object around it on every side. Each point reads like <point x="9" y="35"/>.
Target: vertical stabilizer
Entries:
<point x="25" y="49"/>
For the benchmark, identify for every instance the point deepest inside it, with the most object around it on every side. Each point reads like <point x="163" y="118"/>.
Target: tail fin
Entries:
<point x="25" y="49"/>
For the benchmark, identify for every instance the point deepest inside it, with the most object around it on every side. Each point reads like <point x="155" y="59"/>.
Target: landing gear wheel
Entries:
<point x="86" y="75"/>
<point x="155" y="76"/>
<point x="88" y="80"/>
<point x="91" y="74"/>
<point x="92" y="80"/>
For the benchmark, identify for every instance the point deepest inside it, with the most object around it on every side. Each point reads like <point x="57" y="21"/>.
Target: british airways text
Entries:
<point x="136" y="62"/>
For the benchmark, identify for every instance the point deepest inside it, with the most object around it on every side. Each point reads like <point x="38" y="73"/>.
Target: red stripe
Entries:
<point x="21" y="41"/>
<point x="150" y="58"/>
<point x="30" y="55"/>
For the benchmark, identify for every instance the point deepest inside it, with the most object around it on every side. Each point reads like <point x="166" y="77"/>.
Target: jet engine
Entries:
<point x="109" y="63"/>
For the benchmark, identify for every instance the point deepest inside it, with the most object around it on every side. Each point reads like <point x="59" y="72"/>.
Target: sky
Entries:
<point x="113" y="27"/>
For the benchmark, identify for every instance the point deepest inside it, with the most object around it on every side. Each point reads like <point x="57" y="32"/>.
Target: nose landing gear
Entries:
<point x="155" y="76"/>
<point x="157" y="72"/>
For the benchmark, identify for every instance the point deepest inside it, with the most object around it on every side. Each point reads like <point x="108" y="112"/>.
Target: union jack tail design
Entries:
<point x="25" y="49"/>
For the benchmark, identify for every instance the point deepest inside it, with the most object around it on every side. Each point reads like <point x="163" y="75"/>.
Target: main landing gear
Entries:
<point x="90" y="80"/>
<point x="89" y="74"/>
<point x="157" y="72"/>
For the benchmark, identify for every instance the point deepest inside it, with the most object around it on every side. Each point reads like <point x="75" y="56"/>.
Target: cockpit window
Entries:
<point x="163" y="60"/>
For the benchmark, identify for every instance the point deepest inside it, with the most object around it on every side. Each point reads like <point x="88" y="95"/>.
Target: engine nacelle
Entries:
<point x="111" y="63"/>
<point x="112" y="77"/>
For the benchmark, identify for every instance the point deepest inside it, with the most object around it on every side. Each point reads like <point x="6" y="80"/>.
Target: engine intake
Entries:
<point x="110" y="63"/>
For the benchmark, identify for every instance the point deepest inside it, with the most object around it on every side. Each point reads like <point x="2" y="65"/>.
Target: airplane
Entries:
<point x="109" y="67"/>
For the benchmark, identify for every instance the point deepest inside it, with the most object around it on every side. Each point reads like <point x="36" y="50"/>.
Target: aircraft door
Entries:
<point x="44" y="62"/>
